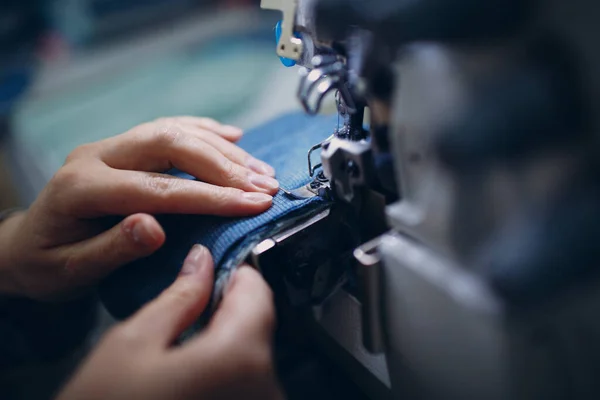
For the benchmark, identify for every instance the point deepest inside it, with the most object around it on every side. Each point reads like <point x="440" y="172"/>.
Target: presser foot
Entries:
<point x="318" y="187"/>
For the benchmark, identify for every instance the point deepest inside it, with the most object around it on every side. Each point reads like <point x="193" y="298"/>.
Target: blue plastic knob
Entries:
<point x="285" y="61"/>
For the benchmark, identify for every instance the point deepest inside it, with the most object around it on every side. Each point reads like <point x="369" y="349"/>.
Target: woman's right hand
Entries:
<point x="230" y="360"/>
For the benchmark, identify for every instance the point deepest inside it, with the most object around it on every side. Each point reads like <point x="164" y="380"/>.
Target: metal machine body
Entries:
<point x="471" y="201"/>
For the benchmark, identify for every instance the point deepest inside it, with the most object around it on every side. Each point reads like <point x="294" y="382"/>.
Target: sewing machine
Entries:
<point x="458" y="258"/>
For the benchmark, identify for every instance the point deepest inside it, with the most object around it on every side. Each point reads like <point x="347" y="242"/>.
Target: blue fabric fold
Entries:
<point x="283" y="143"/>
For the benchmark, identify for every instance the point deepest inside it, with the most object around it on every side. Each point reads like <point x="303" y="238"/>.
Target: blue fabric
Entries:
<point x="283" y="143"/>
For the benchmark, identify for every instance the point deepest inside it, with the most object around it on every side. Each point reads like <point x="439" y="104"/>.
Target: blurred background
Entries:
<point x="76" y="71"/>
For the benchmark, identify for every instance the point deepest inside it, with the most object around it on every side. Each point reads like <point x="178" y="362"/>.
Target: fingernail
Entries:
<point x="142" y="234"/>
<point x="232" y="130"/>
<point x="195" y="260"/>
<point x="264" y="182"/>
<point x="260" y="198"/>
<point x="260" y="167"/>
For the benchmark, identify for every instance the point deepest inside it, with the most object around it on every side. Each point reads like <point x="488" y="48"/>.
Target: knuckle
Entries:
<point x="66" y="177"/>
<point x="209" y="123"/>
<point x="233" y="155"/>
<point x="168" y="131"/>
<point x="65" y="188"/>
<point x="229" y="173"/>
<point x="78" y="152"/>
<point x="183" y="295"/>
<point x="73" y="275"/>
<point x="141" y="130"/>
<point x="224" y="195"/>
<point x="161" y="186"/>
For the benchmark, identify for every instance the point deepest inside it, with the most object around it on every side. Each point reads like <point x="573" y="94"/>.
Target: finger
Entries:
<point x="116" y="192"/>
<point x="233" y="152"/>
<point x="247" y="311"/>
<point x="135" y="237"/>
<point x="177" y="147"/>
<point x="166" y="317"/>
<point x="230" y="133"/>
<point x="198" y="157"/>
<point x="238" y="341"/>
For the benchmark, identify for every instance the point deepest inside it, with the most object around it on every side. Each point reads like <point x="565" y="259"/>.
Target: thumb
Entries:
<point x="247" y="310"/>
<point x="135" y="237"/>
<point x="166" y="317"/>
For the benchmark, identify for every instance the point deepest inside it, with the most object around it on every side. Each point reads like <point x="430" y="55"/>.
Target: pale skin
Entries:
<point x="62" y="246"/>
